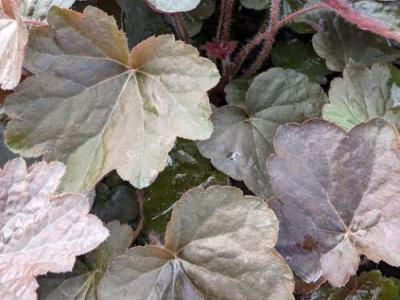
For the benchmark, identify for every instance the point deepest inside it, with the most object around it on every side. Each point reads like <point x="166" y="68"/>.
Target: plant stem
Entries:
<point x="300" y="12"/>
<point x="262" y="35"/>
<point x="235" y="66"/>
<point x="180" y="27"/>
<point x="227" y="20"/>
<point x="220" y="20"/>
<point x="272" y="30"/>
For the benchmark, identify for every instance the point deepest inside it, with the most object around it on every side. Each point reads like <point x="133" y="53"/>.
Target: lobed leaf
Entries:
<point x="40" y="232"/>
<point x="97" y="107"/>
<point x="218" y="245"/>
<point x="337" y="197"/>
<point x="83" y="281"/>
<point x="362" y="94"/>
<point x="242" y="137"/>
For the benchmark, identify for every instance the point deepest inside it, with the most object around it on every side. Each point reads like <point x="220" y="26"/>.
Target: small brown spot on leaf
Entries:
<point x="309" y="243"/>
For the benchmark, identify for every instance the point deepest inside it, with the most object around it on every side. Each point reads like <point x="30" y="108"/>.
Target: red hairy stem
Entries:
<point x="234" y="67"/>
<point x="269" y="39"/>
<point x="301" y="12"/>
<point x="227" y="20"/>
<point x="221" y="19"/>
<point x="362" y="20"/>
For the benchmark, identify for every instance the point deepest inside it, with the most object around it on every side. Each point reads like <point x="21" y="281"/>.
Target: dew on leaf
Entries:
<point x="233" y="156"/>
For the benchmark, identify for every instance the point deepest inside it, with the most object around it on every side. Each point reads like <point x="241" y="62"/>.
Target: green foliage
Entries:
<point x="186" y="169"/>
<point x="82" y="115"/>
<point x="82" y="282"/>
<point x="367" y="286"/>
<point x="255" y="4"/>
<point x="207" y="254"/>
<point x="116" y="200"/>
<point x="341" y="43"/>
<point x="362" y="94"/>
<point x="141" y="22"/>
<point x="299" y="56"/>
<point x="242" y="137"/>
<point x="148" y="114"/>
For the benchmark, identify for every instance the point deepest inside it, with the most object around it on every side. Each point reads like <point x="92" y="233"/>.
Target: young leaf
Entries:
<point x="338" y="197"/>
<point x="13" y="39"/>
<point x="380" y="18"/>
<point x="242" y="138"/>
<point x="169" y="6"/>
<point x="186" y="169"/>
<point x="303" y="24"/>
<point x="38" y="9"/>
<point x="141" y="22"/>
<point x="40" y="232"/>
<point x="297" y="55"/>
<point x="218" y="245"/>
<point x="341" y="43"/>
<point x="97" y="107"/>
<point x="83" y="281"/>
<point x="116" y="203"/>
<point x="194" y="18"/>
<point x="236" y="92"/>
<point x="362" y="94"/>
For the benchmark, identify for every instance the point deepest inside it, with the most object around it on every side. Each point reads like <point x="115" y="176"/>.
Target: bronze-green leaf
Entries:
<point x="96" y="107"/>
<point x="218" y="245"/>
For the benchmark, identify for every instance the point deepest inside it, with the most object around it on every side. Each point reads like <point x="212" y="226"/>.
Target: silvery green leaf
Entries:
<point x="362" y="94"/>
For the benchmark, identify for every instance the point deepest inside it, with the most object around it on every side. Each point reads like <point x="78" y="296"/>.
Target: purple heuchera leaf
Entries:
<point x="337" y="197"/>
<point x="370" y="16"/>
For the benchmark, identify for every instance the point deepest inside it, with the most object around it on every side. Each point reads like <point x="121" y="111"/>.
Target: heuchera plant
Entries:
<point x="279" y="177"/>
